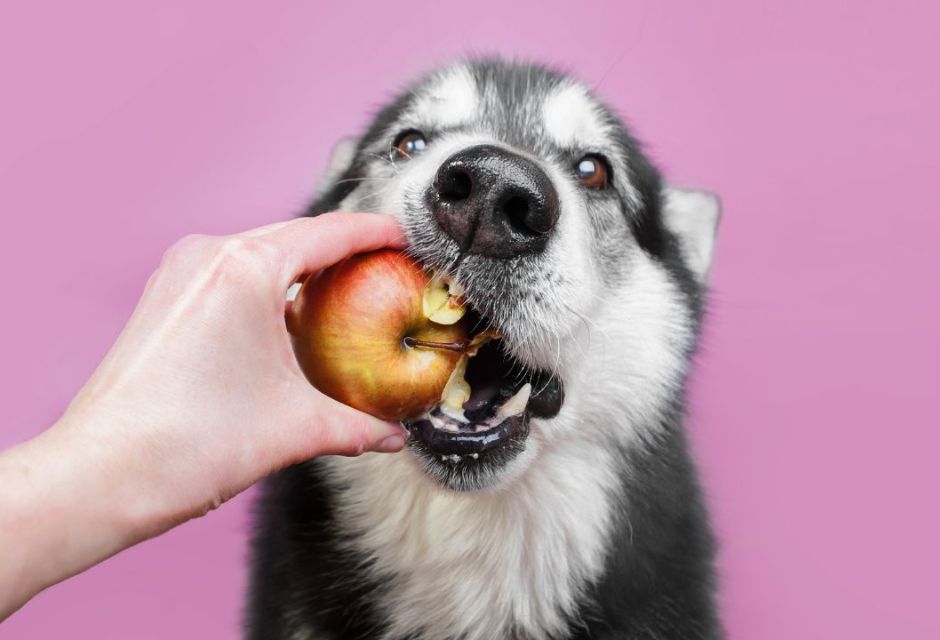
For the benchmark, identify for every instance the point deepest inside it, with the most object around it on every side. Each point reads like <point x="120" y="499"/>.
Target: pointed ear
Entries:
<point x="693" y="216"/>
<point x="340" y="158"/>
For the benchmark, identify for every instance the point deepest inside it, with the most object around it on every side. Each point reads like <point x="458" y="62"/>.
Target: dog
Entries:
<point x="577" y="513"/>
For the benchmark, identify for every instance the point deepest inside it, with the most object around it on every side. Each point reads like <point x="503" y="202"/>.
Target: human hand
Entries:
<point x="200" y="396"/>
<point x="203" y="385"/>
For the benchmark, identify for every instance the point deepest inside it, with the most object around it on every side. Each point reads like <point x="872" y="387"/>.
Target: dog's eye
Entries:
<point x="409" y="143"/>
<point x="592" y="171"/>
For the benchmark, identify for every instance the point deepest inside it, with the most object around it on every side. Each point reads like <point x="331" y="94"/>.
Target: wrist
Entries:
<point x="117" y="486"/>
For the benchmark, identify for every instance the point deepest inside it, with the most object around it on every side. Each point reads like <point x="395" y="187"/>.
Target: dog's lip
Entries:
<point x="464" y="443"/>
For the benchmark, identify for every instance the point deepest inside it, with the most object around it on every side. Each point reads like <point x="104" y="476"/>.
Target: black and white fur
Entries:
<point x="596" y="530"/>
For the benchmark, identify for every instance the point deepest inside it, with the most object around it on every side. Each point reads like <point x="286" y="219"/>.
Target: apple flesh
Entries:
<point x="379" y="334"/>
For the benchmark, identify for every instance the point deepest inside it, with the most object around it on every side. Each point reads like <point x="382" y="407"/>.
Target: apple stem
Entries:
<point x="459" y="347"/>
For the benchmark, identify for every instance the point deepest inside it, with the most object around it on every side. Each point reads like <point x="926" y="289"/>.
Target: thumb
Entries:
<point x="339" y="429"/>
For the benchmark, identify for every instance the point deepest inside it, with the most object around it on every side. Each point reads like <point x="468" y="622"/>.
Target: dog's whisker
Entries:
<point x="364" y="179"/>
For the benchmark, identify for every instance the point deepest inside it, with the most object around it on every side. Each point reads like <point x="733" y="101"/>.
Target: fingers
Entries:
<point x="312" y="244"/>
<point x="308" y="245"/>
<point x="342" y="430"/>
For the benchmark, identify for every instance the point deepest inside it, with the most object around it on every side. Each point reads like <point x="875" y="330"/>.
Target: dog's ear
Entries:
<point x="693" y="217"/>
<point x="340" y="158"/>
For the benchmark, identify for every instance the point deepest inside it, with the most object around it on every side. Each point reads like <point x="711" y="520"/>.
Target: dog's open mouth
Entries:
<point x="499" y="396"/>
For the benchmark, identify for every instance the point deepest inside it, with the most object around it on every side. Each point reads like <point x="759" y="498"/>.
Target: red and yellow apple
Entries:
<point x="378" y="333"/>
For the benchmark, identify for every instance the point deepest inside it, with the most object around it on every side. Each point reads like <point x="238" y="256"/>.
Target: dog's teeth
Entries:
<point x="453" y="458"/>
<point x="454" y="414"/>
<point x="516" y="404"/>
<point x="443" y="423"/>
<point x="475" y="456"/>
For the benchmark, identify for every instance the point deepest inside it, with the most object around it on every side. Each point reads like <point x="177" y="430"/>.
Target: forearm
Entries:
<point x="66" y="504"/>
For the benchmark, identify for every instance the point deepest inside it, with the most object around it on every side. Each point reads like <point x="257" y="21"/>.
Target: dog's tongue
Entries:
<point x="480" y="406"/>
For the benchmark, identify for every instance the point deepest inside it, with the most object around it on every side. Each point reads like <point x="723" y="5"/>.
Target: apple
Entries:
<point x="378" y="333"/>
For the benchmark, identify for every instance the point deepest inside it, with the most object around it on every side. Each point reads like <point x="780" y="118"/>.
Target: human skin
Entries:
<point x="199" y="398"/>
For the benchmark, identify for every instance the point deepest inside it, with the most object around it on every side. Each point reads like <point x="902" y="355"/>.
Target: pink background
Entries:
<point x="814" y="409"/>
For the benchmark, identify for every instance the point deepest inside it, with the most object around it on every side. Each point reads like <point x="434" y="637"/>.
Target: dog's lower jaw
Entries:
<point x="485" y="564"/>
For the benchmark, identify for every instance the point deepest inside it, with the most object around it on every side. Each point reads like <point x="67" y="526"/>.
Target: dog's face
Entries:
<point x="523" y="187"/>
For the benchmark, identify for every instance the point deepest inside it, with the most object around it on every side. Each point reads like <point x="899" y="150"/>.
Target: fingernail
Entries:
<point x="390" y="444"/>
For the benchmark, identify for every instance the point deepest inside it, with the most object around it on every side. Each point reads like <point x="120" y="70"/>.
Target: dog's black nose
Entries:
<point x="494" y="202"/>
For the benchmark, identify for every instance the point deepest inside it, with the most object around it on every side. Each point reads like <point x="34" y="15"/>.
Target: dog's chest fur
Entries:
<point x="368" y="548"/>
<point x="483" y="565"/>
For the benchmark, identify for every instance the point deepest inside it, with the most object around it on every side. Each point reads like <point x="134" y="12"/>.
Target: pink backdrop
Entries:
<point x="813" y="405"/>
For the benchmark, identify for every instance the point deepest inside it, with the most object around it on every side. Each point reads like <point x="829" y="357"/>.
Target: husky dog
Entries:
<point x="566" y="504"/>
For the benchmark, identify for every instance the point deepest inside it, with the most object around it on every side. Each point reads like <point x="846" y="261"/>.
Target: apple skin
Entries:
<point x="349" y="326"/>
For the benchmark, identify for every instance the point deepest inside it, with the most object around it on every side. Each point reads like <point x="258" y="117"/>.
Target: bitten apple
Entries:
<point x="378" y="333"/>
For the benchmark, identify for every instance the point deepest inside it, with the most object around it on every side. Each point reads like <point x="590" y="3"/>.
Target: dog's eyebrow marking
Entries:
<point x="572" y="118"/>
<point x="449" y="100"/>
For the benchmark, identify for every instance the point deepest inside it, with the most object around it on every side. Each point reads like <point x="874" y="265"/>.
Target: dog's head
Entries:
<point x="516" y="181"/>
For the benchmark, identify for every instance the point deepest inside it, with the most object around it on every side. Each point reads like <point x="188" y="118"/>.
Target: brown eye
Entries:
<point x="592" y="171"/>
<point x="408" y="144"/>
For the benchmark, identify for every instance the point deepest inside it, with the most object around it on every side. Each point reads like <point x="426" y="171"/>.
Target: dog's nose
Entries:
<point x="494" y="202"/>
